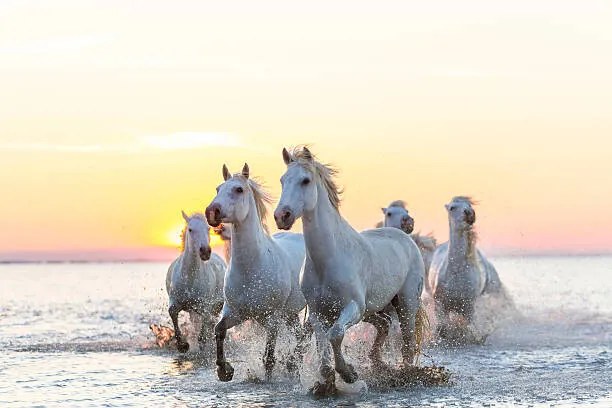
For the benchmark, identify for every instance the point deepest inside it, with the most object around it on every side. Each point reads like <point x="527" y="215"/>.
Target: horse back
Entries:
<point x="396" y="259"/>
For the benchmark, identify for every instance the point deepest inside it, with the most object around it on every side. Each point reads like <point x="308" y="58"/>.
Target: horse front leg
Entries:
<point x="271" y="326"/>
<point x="442" y="320"/>
<point x="350" y="315"/>
<point x="328" y="387"/>
<point x="225" y="371"/>
<point x="302" y="336"/>
<point x="181" y="345"/>
<point x="206" y="330"/>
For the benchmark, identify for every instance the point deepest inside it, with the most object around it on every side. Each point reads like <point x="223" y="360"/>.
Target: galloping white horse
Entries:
<point x="262" y="279"/>
<point x="348" y="276"/>
<point x="194" y="281"/>
<point x="459" y="271"/>
<point x="396" y="216"/>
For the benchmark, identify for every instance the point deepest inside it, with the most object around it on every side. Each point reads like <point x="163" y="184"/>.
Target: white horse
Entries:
<point x="194" y="281"/>
<point x="396" y="216"/>
<point x="262" y="279"/>
<point x="348" y="276"/>
<point x="459" y="271"/>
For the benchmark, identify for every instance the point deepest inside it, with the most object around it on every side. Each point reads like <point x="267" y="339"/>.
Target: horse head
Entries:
<point x="461" y="214"/>
<point x="396" y="216"/>
<point x="231" y="204"/>
<point x="236" y="198"/>
<point x="300" y="192"/>
<point x="196" y="236"/>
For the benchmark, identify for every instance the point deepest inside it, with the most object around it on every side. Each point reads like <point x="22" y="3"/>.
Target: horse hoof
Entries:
<point x="348" y="375"/>
<point x="326" y="389"/>
<point x="182" y="347"/>
<point x="225" y="371"/>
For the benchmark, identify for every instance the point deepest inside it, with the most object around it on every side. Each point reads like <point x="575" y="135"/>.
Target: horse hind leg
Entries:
<point x="382" y="322"/>
<point x="181" y="345"/>
<point x="408" y="310"/>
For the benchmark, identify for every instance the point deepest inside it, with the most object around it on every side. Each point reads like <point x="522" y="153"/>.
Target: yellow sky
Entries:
<point x="115" y="116"/>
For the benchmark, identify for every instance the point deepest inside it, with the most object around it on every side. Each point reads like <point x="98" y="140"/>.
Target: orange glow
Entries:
<point x="113" y="125"/>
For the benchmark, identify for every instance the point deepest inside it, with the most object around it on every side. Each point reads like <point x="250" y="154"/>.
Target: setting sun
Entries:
<point x="172" y="237"/>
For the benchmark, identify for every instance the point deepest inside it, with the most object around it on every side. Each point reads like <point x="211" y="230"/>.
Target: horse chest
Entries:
<point x="325" y="297"/>
<point x="461" y="282"/>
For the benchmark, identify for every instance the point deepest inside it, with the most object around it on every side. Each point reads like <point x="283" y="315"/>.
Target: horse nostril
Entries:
<point x="286" y="215"/>
<point x="205" y="252"/>
<point x="213" y="211"/>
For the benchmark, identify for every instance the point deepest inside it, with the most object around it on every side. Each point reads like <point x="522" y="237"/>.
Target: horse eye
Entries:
<point x="452" y="208"/>
<point x="305" y="181"/>
<point x="239" y="190"/>
<point x="388" y="214"/>
<point x="190" y="230"/>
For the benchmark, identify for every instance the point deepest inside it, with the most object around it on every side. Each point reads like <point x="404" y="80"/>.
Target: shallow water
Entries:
<point x="77" y="335"/>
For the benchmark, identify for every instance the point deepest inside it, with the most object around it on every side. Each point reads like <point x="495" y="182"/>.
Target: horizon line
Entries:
<point x="512" y="254"/>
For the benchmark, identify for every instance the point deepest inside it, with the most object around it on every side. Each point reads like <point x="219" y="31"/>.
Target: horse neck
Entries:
<point x="191" y="261"/>
<point x="462" y="246"/>
<point x="247" y="236"/>
<point x="323" y="227"/>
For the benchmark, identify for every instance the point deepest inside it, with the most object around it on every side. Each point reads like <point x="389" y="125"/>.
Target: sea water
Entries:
<point x="78" y="335"/>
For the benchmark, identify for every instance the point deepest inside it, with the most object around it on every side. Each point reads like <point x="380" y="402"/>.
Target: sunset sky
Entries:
<point x="116" y="115"/>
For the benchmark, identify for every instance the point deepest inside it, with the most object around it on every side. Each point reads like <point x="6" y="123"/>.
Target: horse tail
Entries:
<point x="422" y="329"/>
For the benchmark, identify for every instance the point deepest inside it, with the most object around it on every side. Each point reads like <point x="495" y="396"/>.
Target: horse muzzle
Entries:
<point x="205" y="253"/>
<point x="407" y="225"/>
<point x="284" y="218"/>
<point x="213" y="215"/>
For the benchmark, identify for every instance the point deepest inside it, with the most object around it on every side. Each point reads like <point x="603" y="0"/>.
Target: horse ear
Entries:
<point x="226" y="174"/>
<point x="185" y="216"/>
<point x="245" y="170"/>
<point x="307" y="154"/>
<point x="287" y="157"/>
<point x="384" y="210"/>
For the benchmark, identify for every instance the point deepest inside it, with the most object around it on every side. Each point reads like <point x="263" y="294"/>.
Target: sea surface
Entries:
<point x="78" y="335"/>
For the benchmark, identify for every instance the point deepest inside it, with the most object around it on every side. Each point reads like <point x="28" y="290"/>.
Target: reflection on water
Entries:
<point x="78" y="334"/>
